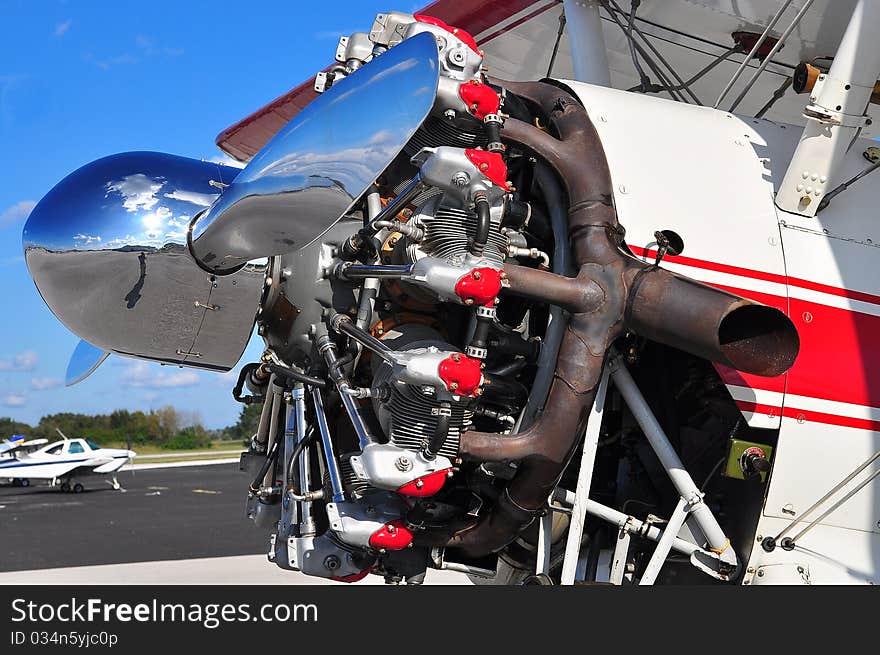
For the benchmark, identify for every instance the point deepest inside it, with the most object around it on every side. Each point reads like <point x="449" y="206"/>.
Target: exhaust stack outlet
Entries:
<point x="612" y="293"/>
<point x="712" y="324"/>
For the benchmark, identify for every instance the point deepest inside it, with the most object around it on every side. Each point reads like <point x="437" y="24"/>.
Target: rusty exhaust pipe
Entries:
<point x="613" y="293"/>
<point x="710" y="323"/>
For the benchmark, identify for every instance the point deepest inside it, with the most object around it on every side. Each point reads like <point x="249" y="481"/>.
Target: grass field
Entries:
<point x="152" y="454"/>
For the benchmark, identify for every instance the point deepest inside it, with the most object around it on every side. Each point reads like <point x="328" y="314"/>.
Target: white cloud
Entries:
<point x="125" y="58"/>
<point x="17" y="212"/>
<point x="193" y="197"/>
<point x="146" y="376"/>
<point x="87" y="239"/>
<point x="61" y="28"/>
<point x="138" y="190"/>
<point x="23" y="361"/>
<point x="42" y="383"/>
<point x="325" y="35"/>
<point x="226" y="160"/>
<point x="150" y="48"/>
<point x="13" y="400"/>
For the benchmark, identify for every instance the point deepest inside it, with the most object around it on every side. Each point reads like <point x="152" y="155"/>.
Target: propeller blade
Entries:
<point x="85" y="359"/>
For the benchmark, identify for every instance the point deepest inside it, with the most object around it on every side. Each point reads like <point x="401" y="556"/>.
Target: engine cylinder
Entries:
<point x="409" y="416"/>
<point x="448" y="231"/>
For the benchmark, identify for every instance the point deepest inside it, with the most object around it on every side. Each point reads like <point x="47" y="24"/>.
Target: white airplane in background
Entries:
<point x="64" y="463"/>
<point x="17" y="445"/>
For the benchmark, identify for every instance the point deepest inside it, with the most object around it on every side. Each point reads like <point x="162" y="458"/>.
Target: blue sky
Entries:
<point x="80" y="80"/>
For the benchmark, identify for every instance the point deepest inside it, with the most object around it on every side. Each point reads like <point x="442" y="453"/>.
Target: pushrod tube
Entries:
<point x="327" y="444"/>
<point x="274" y="420"/>
<point x="379" y="271"/>
<point x="328" y="350"/>
<point x="298" y="414"/>
<point x="343" y="324"/>
<point x="401" y="200"/>
<point x="370" y="285"/>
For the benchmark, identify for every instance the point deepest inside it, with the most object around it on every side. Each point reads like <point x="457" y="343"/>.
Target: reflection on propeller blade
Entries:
<point x="85" y="359"/>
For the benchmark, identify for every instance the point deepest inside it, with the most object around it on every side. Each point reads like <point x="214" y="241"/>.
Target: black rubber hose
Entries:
<point x="503" y="391"/>
<point x="484" y="222"/>
<point x="290" y="374"/>
<point x="514" y="344"/>
<point x="480" y="340"/>
<point x="336" y="370"/>
<point x="270" y="458"/>
<point x="441" y="431"/>
<point x="294" y="456"/>
<point x="517" y="214"/>
<point x="557" y="209"/>
<point x="493" y="136"/>
<point x="239" y="386"/>
<point x="508" y="368"/>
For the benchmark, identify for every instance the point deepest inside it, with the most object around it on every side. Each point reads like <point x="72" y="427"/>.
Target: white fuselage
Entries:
<point x="711" y="176"/>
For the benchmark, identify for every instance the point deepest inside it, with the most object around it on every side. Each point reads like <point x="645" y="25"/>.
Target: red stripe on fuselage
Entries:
<point x="807" y="415"/>
<point x="760" y="275"/>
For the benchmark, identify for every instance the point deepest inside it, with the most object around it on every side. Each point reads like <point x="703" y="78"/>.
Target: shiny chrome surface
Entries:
<point x="84" y="361"/>
<point x="107" y="250"/>
<point x="319" y="164"/>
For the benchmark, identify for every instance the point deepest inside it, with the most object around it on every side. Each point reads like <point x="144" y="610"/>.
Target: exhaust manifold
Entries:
<point x="613" y="293"/>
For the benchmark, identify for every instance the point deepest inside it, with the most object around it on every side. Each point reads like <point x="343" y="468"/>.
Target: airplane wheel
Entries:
<point x="65" y="487"/>
<point x="25" y="482"/>
<point x="78" y="488"/>
<point x="16" y="482"/>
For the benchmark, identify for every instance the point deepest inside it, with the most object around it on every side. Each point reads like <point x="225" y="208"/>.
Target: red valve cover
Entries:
<point x="462" y="375"/>
<point x="490" y="164"/>
<point x="465" y="37"/>
<point x="393" y="536"/>
<point x="481" y="286"/>
<point x="354" y="577"/>
<point x="427" y="485"/>
<point x="480" y="99"/>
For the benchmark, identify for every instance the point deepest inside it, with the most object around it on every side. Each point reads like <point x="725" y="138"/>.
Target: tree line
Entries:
<point x="165" y="427"/>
